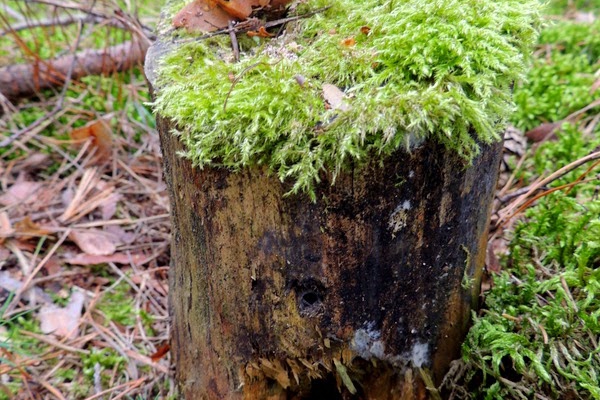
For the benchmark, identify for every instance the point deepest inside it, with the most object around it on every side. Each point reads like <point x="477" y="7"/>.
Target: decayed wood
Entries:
<point x="23" y="80"/>
<point x="367" y="291"/>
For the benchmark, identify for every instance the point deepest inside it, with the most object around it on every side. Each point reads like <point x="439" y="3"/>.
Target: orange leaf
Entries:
<point x="26" y="229"/>
<point x="162" y="350"/>
<point x="101" y="136"/>
<point x="262" y="32"/>
<point x="201" y="15"/>
<point x="365" y="30"/>
<point x="348" y="42"/>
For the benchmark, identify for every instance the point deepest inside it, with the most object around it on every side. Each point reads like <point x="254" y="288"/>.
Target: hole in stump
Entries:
<point x="310" y="298"/>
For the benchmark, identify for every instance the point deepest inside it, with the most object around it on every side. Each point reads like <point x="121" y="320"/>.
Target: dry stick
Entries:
<point x="128" y="386"/>
<point x="241" y="27"/>
<point x="234" y="42"/>
<point x="567" y="186"/>
<point x="33" y="273"/>
<point x="237" y="79"/>
<point x="569" y="117"/>
<point x="581" y="177"/>
<point x="509" y="212"/>
<point x="59" y="104"/>
<point x="54" y="343"/>
<point x="53" y="22"/>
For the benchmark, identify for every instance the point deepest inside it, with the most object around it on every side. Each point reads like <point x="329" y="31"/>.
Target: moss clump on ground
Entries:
<point x="538" y="336"/>
<point x="559" y="82"/>
<point x="541" y="330"/>
<point x="410" y="70"/>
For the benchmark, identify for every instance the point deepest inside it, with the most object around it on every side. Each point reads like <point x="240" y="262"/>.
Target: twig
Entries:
<point x="59" y="103"/>
<point x="126" y="387"/>
<point x="234" y="42"/>
<point x="33" y="273"/>
<point x="242" y="27"/>
<point x="64" y="21"/>
<point x="236" y="80"/>
<point x="510" y="212"/>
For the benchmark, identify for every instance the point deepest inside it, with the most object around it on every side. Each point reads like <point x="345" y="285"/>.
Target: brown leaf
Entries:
<point x="6" y="229"/>
<point x="19" y="192"/>
<point x="201" y="15"/>
<point x="365" y="30"/>
<point x="540" y="133"/>
<point x="240" y="9"/>
<point x="26" y="229"/>
<point x="94" y="242"/>
<point x="211" y="15"/>
<point x="348" y="42"/>
<point x="117" y="258"/>
<point x="100" y="133"/>
<point x="62" y="322"/>
<point x="262" y="32"/>
<point x="161" y="351"/>
<point x="335" y="97"/>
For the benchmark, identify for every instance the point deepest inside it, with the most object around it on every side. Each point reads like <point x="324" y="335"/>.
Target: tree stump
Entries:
<point x="364" y="289"/>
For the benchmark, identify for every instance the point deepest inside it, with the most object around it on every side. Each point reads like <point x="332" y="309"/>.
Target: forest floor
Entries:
<point x="84" y="220"/>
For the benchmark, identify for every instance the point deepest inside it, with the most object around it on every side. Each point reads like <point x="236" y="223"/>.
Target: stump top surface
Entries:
<point x="357" y="80"/>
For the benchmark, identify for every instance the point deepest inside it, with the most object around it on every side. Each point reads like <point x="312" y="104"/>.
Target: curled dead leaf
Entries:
<point x="100" y="133"/>
<point x="161" y="351"/>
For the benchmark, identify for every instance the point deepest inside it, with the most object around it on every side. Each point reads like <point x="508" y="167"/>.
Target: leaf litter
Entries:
<point x="83" y="220"/>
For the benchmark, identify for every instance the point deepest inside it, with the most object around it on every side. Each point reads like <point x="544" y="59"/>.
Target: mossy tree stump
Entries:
<point x="333" y="248"/>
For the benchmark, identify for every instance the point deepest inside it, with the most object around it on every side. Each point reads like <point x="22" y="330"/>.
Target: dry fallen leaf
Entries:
<point x="201" y="15"/>
<point x="26" y="229"/>
<point x="62" y="322"/>
<point x="6" y="229"/>
<point x="161" y="351"/>
<point x="100" y="133"/>
<point x="542" y="132"/>
<point x="211" y="15"/>
<point x="348" y="42"/>
<point x="335" y="97"/>
<point x="19" y="192"/>
<point x="117" y="258"/>
<point x="94" y="241"/>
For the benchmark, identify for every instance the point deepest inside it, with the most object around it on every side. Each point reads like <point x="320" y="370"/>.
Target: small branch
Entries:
<point x="234" y="43"/>
<point x="24" y="80"/>
<point x="70" y="20"/>
<point x="243" y="26"/>
<point x="517" y="206"/>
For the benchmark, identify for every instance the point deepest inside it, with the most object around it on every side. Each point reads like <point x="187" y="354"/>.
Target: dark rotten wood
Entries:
<point x="278" y="297"/>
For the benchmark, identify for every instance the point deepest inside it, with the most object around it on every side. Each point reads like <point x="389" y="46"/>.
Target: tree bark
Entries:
<point x="364" y="294"/>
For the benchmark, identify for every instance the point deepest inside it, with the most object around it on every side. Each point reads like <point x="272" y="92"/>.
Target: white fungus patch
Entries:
<point x="399" y="217"/>
<point x="419" y="354"/>
<point x="367" y="344"/>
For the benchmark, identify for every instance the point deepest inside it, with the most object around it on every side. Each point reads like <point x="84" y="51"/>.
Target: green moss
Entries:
<point x="559" y="82"/>
<point x="440" y="69"/>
